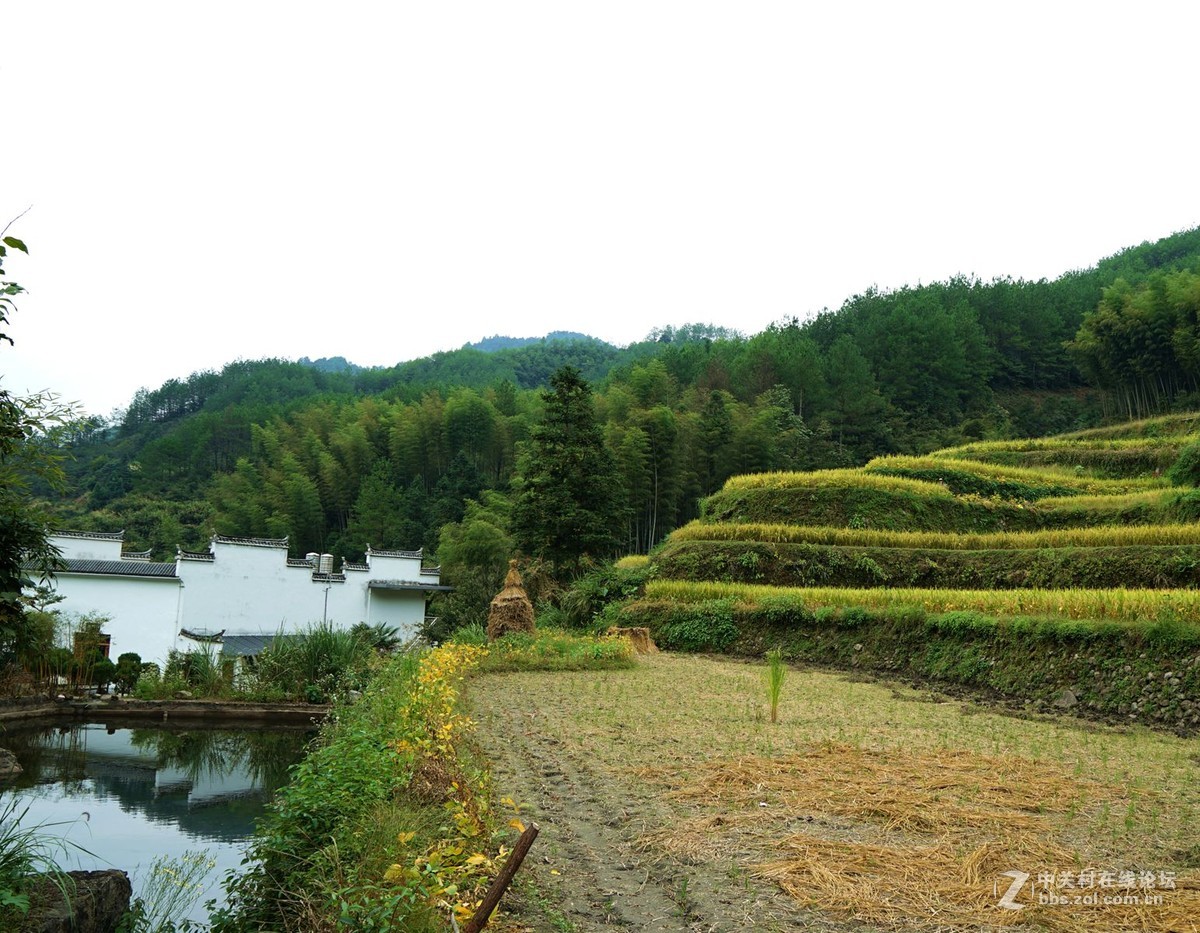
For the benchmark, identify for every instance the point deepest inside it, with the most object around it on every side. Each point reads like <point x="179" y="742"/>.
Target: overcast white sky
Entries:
<point x="213" y="181"/>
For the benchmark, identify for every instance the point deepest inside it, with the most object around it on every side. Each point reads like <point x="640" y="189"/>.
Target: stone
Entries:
<point x="639" y="637"/>
<point x="9" y="768"/>
<point x="1066" y="699"/>
<point x="100" y="901"/>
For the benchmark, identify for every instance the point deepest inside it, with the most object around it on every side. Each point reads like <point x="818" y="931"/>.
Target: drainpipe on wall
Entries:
<point x="178" y="619"/>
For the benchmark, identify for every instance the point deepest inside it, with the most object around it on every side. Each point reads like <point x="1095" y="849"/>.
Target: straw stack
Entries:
<point x="511" y="610"/>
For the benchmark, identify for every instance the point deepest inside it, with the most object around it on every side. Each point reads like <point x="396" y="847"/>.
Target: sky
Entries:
<point x="382" y="181"/>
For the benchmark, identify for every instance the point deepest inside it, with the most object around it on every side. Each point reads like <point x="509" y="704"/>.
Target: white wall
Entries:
<point x="251" y="589"/>
<point x="144" y="610"/>
<point x="244" y="589"/>
<point x="82" y="547"/>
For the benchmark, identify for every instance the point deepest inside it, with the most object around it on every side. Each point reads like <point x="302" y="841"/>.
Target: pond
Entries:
<point x="129" y="793"/>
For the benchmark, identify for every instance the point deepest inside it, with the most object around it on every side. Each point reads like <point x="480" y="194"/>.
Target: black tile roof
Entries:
<point x="239" y="646"/>
<point x="120" y="568"/>
<point x="407" y="585"/>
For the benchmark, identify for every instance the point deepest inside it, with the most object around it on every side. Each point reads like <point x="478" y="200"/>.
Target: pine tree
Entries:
<point x="567" y="506"/>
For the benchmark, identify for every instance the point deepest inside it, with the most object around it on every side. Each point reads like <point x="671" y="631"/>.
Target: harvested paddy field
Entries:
<point x="667" y="801"/>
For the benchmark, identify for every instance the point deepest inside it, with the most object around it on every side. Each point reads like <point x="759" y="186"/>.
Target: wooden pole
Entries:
<point x="503" y="880"/>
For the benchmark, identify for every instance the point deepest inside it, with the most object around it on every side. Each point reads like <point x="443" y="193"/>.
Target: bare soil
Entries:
<point x="590" y="869"/>
<point x="633" y="779"/>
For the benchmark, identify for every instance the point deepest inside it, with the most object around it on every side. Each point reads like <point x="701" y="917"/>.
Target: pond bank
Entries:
<point x="31" y="710"/>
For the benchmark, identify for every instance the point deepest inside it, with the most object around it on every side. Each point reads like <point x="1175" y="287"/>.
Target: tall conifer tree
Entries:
<point x="568" y="501"/>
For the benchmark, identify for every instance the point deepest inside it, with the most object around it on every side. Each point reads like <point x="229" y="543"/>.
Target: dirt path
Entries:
<point x="587" y="871"/>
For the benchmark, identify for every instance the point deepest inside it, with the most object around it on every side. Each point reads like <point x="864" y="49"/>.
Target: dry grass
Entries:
<point x="917" y="838"/>
<point x="882" y="804"/>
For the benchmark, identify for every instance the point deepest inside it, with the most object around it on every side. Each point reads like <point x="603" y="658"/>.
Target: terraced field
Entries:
<point x="1058" y="570"/>
<point x="1050" y="578"/>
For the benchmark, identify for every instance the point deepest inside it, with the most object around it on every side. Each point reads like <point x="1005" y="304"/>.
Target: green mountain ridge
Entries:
<point x="311" y="449"/>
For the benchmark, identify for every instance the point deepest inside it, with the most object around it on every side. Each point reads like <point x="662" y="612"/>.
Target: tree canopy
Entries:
<point x="567" y="502"/>
<point x="28" y="451"/>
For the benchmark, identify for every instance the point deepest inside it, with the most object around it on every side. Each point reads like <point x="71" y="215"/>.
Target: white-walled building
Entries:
<point x="238" y="587"/>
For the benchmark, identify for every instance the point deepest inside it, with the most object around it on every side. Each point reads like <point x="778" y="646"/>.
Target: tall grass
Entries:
<point x="1103" y="536"/>
<point x="1050" y="476"/>
<point x="1134" y="607"/>
<point x="1148" y="498"/>
<point x="1162" y="426"/>
<point x="169" y="894"/>
<point x="1028" y="444"/>
<point x="29" y="854"/>
<point x="836" y="479"/>
<point x="315" y="664"/>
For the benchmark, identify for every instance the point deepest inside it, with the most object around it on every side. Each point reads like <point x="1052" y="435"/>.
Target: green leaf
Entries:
<point x="16" y="244"/>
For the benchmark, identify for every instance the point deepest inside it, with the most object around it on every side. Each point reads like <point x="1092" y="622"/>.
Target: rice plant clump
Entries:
<point x="775" y="674"/>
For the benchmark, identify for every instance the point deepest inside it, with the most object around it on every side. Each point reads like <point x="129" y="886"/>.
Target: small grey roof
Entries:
<point x="92" y="535"/>
<point x="240" y="646"/>
<point x="372" y="552"/>
<point x="252" y="542"/>
<point x="120" y="568"/>
<point x="408" y="585"/>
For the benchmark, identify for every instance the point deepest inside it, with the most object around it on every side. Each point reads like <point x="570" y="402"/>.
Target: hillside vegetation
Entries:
<point x="336" y="456"/>
<point x="1071" y="583"/>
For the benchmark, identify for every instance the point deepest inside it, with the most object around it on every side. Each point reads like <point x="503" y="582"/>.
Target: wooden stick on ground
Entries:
<point x="503" y="880"/>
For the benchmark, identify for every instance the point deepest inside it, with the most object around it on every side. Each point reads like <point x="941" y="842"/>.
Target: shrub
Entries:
<point x="593" y="591"/>
<point x="703" y="626"/>
<point x="314" y="665"/>
<point x="1185" y="471"/>
<point x="103" y="673"/>
<point x="129" y="669"/>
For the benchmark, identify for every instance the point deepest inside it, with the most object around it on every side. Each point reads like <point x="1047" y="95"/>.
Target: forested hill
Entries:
<point x="320" y="450"/>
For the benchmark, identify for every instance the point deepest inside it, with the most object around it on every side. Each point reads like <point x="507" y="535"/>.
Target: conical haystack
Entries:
<point x="511" y="610"/>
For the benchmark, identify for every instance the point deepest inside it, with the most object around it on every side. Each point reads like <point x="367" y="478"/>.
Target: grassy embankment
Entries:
<point x="390" y="823"/>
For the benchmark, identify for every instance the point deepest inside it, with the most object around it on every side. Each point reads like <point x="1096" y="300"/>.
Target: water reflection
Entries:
<point x="128" y="795"/>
